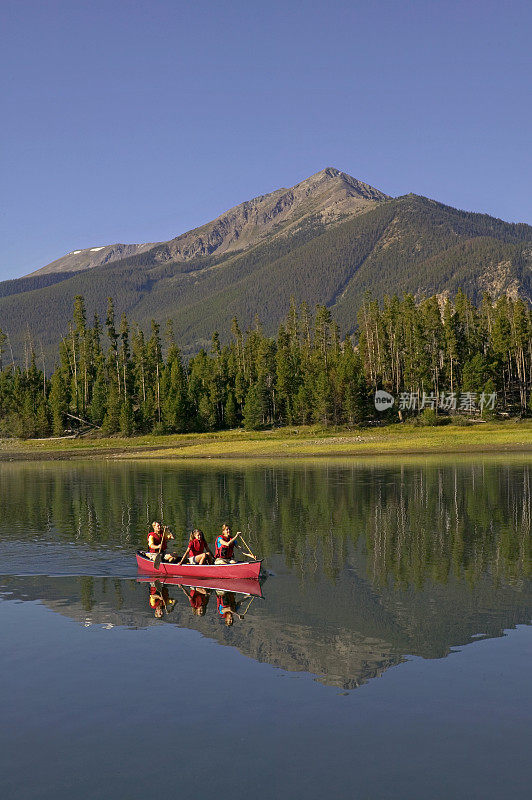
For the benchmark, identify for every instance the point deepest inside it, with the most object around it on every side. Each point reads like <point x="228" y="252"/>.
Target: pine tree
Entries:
<point x="42" y="419"/>
<point x="112" y="335"/>
<point x="155" y="362"/>
<point x="176" y="409"/>
<point x="100" y="393"/>
<point x="126" y="421"/>
<point x="451" y="344"/>
<point x="253" y="410"/>
<point x="58" y="402"/>
<point x="231" y="414"/>
<point x="111" y="421"/>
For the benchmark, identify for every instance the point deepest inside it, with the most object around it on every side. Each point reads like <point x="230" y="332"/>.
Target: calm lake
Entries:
<point x="388" y="657"/>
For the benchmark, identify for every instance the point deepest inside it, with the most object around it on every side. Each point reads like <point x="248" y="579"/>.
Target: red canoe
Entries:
<point x="237" y="585"/>
<point x="246" y="569"/>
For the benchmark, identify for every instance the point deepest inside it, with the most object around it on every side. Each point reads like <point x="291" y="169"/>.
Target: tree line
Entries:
<point x="115" y="378"/>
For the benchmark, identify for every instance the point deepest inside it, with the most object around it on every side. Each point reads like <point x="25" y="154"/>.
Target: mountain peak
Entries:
<point x="330" y="176"/>
<point x="326" y="198"/>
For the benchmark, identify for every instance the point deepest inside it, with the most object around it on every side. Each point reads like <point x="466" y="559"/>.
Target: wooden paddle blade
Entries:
<point x="157" y="562"/>
<point x="248" y="547"/>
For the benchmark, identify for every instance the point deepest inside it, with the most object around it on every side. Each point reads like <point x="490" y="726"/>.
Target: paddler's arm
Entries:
<point x="167" y="533"/>
<point x="185" y="555"/>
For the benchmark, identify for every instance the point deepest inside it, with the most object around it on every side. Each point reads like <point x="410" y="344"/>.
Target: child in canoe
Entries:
<point x="225" y="545"/>
<point x="158" y="541"/>
<point x="198" y="599"/>
<point x="198" y="551"/>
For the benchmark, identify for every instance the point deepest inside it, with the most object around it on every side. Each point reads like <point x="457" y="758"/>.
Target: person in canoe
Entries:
<point x="160" y="600"/>
<point x="225" y="545"/>
<point x="198" y="551"/>
<point x="198" y="597"/>
<point x="158" y="542"/>
<point x="228" y="607"/>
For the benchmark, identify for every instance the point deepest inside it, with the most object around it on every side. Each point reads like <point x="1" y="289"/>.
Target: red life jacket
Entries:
<point x="197" y="599"/>
<point x="196" y="547"/>
<point x="221" y="550"/>
<point x="156" y="542"/>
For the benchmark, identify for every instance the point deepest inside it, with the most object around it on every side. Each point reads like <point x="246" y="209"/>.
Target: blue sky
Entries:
<point x="129" y="120"/>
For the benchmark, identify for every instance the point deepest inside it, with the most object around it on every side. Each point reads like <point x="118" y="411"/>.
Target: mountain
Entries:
<point x="78" y="260"/>
<point x="328" y="196"/>
<point x="329" y="239"/>
<point x="345" y="634"/>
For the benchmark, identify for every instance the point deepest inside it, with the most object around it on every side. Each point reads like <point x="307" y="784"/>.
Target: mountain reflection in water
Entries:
<point x="370" y="562"/>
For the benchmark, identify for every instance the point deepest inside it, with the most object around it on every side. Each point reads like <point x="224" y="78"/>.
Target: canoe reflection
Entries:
<point x="237" y="585"/>
<point x="233" y="597"/>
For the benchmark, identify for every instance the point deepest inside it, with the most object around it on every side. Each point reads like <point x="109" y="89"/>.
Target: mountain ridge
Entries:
<point x="330" y="239"/>
<point x="328" y="194"/>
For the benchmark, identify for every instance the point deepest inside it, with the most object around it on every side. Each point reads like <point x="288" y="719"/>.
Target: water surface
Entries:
<point x="414" y="573"/>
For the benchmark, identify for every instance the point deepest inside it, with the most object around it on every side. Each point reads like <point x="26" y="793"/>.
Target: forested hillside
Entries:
<point x="329" y="249"/>
<point x="458" y="358"/>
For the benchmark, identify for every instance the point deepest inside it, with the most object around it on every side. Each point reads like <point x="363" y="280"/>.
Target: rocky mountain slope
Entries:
<point x="329" y="240"/>
<point x="78" y="260"/>
<point x="328" y="196"/>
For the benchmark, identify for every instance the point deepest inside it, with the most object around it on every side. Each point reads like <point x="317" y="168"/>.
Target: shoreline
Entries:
<point x="511" y="437"/>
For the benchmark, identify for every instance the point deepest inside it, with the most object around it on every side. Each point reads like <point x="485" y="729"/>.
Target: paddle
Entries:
<point x="158" y="557"/>
<point x="249" y="553"/>
<point x="241" y="616"/>
<point x="184" y="591"/>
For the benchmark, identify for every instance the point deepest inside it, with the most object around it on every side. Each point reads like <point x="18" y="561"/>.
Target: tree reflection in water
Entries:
<point x="417" y="521"/>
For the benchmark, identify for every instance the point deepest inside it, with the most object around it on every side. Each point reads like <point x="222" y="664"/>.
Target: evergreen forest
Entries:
<point x="112" y="378"/>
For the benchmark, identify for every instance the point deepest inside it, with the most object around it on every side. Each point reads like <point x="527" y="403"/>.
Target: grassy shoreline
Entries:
<point x="512" y="436"/>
